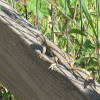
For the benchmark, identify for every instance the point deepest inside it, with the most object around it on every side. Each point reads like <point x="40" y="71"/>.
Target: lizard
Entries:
<point x="59" y="57"/>
<point x="53" y="51"/>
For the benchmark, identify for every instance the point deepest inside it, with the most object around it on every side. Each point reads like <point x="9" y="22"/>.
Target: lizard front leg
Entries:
<point x="43" y="51"/>
<point x="53" y="64"/>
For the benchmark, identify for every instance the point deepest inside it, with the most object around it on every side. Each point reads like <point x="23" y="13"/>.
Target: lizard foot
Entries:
<point x="52" y="66"/>
<point x="40" y="55"/>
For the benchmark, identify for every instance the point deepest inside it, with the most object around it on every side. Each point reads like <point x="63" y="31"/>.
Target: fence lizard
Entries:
<point x="59" y="57"/>
<point x="53" y="51"/>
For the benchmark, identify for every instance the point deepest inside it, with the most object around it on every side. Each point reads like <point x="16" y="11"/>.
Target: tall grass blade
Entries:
<point x="85" y="10"/>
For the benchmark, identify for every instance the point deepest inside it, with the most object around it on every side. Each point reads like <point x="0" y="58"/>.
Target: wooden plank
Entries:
<point x="23" y="72"/>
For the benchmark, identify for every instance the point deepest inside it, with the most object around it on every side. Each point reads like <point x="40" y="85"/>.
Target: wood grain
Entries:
<point x="23" y="72"/>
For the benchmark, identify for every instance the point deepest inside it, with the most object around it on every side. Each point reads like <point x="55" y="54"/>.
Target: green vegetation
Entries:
<point x="84" y="53"/>
<point x="5" y="94"/>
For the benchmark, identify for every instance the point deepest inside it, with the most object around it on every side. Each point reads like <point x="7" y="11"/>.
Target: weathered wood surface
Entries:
<point x="24" y="73"/>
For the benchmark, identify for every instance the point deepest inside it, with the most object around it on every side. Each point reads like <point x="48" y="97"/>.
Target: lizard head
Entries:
<point x="38" y="37"/>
